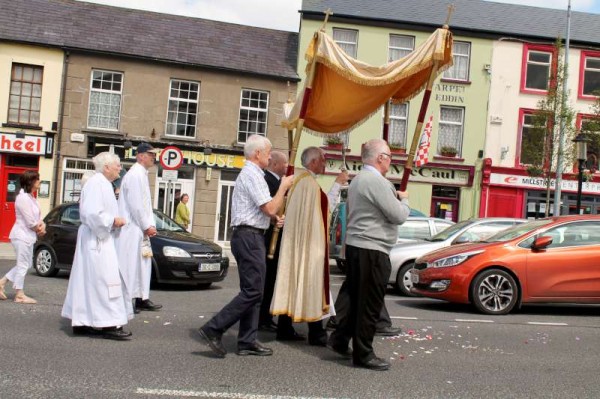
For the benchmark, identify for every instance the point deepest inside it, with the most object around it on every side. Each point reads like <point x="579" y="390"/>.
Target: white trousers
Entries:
<point x="24" y="253"/>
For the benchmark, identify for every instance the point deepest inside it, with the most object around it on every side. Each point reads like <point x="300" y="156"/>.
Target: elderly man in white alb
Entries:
<point x="133" y="241"/>
<point x="96" y="301"/>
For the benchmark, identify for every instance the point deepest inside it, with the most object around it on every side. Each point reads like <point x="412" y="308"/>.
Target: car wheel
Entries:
<point x="45" y="262"/>
<point x="494" y="292"/>
<point x="341" y="264"/>
<point x="403" y="281"/>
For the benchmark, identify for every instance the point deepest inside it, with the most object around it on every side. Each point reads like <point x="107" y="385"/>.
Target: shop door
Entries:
<point x="168" y="194"/>
<point x="9" y="181"/>
<point x="223" y="217"/>
<point x="444" y="202"/>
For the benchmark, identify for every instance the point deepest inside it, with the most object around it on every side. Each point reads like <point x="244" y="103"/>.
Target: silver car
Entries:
<point x="403" y="255"/>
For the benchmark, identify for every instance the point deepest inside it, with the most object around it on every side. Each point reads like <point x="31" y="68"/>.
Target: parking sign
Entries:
<point x="171" y="158"/>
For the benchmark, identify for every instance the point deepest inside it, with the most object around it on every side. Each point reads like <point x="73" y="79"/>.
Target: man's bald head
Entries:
<point x="278" y="163"/>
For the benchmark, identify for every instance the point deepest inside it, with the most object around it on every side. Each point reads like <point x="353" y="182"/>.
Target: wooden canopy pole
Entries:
<point x="424" y="104"/>
<point x="386" y="121"/>
<point x="299" y="127"/>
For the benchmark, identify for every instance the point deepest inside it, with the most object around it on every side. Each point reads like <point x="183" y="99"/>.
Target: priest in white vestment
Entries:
<point x="96" y="301"/>
<point x="302" y="286"/>
<point x="133" y="244"/>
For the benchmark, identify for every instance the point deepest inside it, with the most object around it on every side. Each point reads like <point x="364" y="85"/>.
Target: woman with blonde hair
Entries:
<point x="28" y="225"/>
<point x="182" y="213"/>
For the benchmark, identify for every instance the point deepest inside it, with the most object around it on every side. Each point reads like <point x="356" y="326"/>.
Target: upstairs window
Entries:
<point x="183" y="109"/>
<point x="398" y="124"/>
<point x="589" y="81"/>
<point x="347" y="39"/>
<point x="532" y="139"/>
<point x="25" y="94"/>
<point x="254" y="105"/>
<point x="400" y="46"/>
<point x="105" y="100"/>
<point x="451" y="126"/>
<point x="461" y="55"/>
<point x="537" y="68"/>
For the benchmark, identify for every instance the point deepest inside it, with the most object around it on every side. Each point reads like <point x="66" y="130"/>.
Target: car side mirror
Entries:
<point x="462" y="240"/>
<point x="541" y="242"/>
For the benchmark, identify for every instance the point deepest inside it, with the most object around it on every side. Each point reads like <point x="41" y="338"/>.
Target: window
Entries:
<point x="105" y="100"/>
<point x="398" y="124"/>
<point x="183" y="109"/>
<point x="400" y="46"/>
<point x="591" y="128"/>
<point x="537" y="65"/>
<point x="532" y="139"/>
<point x="451" y="128"/>
<point x="461" y="53"/>
<point x="347" y="39"/>
<point x="589" y="82"/>
<point x="253" y="114"/>
<point x="414" y="230"/>
<point x="25" y="94"/>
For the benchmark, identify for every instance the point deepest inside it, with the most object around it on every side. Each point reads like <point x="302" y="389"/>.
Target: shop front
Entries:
<point x="508" y="192"/>
<point x="20" y="152"/>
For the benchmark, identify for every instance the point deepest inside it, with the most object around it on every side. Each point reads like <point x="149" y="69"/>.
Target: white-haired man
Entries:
<point x="135" y="205"/>
<point x="251" y="213"/>
<point x="302" y="284"/>
<point x="375" y="209"/>
<point x="97" y="302"/>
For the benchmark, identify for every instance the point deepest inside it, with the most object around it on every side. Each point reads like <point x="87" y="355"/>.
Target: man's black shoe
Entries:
<point x="374" y="364"/>
<point x="256" y="349"/>
<point x="344" y="352"/>
<point x="146" y="304"/>
<point x="388" y="331"/>
<point x="331" y="324"/>
<point x="214" y="343"/>
<point x="268" y="326"/>
<point x="319" y="340"/>
<point x="290" y="336"/>
<point x="86" y="330"/>
<point x="117" y="334"/>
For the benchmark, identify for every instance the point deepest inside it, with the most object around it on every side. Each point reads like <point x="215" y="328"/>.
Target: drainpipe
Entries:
<point x="63" y="90"/>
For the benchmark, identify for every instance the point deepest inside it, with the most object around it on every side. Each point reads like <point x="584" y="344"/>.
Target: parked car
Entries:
<point x="179" y="257"/>
<point x="403" y="255"/>
<point x="417" y="227"/>
<point x="546" y="260"/>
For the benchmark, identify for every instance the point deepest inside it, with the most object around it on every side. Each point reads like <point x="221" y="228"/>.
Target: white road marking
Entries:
<point x="204" y="394"/>
<point x="537" y="323"/>
<point x="474" y="321"/>
<point x="404" y="318"/>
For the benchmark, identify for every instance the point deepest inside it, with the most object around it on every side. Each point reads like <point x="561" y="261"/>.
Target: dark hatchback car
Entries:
<point x="179" y="257"/>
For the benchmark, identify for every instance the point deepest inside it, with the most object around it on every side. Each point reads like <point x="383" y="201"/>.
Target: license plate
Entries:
<point x="209" y="267"/>
<point x="414" y="277"/>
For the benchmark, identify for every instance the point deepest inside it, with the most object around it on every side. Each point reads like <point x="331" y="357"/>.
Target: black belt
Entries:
<point x="250" y="228"/>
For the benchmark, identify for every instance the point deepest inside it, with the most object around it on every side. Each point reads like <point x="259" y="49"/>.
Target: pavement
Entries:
<point x="6" y="251"/>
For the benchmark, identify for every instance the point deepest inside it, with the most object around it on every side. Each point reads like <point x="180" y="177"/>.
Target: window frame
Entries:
<point x="396" y="119"/>
<point x="21" y="96"/>
<point x="540" y="48"/>
<point x="522" y="113"/>
<point x="585" y="54"/>
<point x="179" y="99"/>
<point x="459" y="153"/>
<point x="454" y="54"/>
<point x="241" y="107"/>
<point x="579" y="119"/>
<point x="341" y="42"/>
<point x="390" y="47"/>
<point x="92" y="89"/>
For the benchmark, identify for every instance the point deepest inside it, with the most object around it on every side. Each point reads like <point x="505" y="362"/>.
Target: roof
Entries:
<point x="470" y="15"/>
<point x="92" y="27"/>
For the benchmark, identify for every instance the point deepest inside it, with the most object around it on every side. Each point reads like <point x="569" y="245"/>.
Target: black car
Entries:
<point x="179" y="257"/>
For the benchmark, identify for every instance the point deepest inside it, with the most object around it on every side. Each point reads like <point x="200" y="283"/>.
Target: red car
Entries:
<point x="547" y="260"/>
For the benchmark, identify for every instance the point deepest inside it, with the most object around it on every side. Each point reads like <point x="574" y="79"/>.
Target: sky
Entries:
<point x="283" y="14"/>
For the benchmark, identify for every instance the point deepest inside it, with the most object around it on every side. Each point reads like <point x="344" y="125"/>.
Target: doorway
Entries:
<point x="223" y="228"/>
<point x="169" y="192"/>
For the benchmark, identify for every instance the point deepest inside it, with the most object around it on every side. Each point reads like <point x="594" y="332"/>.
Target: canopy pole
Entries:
<point x="299" y="127"/>
<point x="386" y="121"/>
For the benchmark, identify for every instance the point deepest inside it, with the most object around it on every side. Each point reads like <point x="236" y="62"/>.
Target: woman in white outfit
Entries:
<point x="27" y="227"/>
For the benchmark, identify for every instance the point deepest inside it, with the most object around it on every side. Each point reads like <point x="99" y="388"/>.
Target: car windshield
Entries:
<point x="517" y="230"/>
<point x="165" y="223"/>
<point x="450" y="231"/>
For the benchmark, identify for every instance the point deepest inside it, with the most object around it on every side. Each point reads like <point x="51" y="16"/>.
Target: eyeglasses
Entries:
<point x="386" y="154"/>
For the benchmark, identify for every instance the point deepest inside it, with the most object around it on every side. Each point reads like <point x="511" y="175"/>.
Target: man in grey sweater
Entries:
<point x="375" y="209"/>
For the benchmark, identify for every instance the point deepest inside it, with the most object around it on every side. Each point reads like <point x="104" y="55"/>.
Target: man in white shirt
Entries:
<point x="135" y="205"/>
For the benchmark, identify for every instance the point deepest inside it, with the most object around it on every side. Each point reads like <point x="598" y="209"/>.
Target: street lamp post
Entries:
<point x="581" y="148"/>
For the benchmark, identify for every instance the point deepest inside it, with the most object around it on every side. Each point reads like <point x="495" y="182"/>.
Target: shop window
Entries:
<point x="25" y="96"/>
<point x="183" y="108"/>
<point x="537" y="67"/>
<point x="461" y="55"/>
<point x="347" y="39"/>
<point x="105" y="100"/>
<point x="444" y="202"/>
<point x="254" y="105"/>
<point x="400" y="46"/>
